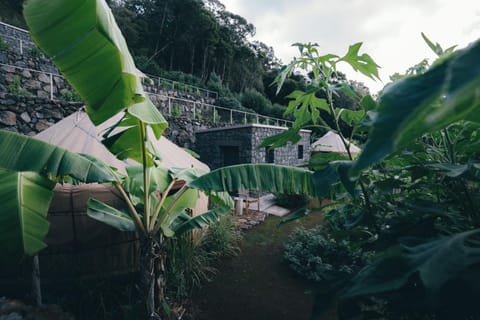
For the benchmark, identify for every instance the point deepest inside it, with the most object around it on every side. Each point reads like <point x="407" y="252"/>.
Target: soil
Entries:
<point x="258" y="284"/>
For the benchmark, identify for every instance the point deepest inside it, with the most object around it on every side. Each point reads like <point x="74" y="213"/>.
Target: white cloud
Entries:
<point x="389" y="29"/>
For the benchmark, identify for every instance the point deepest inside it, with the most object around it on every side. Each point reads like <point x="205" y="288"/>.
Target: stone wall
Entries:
<point x="212" y="144"/>
<point x="21" y="60"/>
<point x="29" y="115"/>
<point x="288" y="155"/>
<point x="14" y="32"/>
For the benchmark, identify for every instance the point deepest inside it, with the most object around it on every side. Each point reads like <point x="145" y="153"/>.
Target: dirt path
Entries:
<point x="258" y="284"/>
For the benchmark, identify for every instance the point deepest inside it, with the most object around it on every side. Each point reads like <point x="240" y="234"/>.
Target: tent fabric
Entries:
<point x="331" y="142"/>
<point x="83" y="246"/>
<point x="78" y="134"/>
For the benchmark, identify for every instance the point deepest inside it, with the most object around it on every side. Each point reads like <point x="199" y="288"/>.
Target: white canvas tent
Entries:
<point x="95" y="247"/>
<point x="78" y="134"/>
<point x="331" y="142"/>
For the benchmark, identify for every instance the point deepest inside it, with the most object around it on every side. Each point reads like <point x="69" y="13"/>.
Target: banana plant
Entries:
<point x="82" y="39"/>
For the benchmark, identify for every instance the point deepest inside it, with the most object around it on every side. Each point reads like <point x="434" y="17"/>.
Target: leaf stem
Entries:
<point x="131" y="207"/>
<point x="167" y="210"/>
<point x="347" y="145"/>
<point x="160" y="204"/>
<point x="146" y="184"/>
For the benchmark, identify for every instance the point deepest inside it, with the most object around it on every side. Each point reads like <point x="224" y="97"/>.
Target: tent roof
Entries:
<point x="331" y="142"/>
<point x="78" y="134"/>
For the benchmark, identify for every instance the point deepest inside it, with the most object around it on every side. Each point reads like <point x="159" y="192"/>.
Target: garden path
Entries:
<point x="257" y="284"/>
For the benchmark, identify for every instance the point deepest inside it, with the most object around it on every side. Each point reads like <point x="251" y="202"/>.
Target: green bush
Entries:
<point x="176" y="111"/>
<point x="316" y="256"/>
<point x="15" y="87"/>
<point x="4" y="45"/>
<point x="192" y="257"/>
<point x="254" y="100"/>
<point x="291" y="201"/>
<point x="229" y="102"/>
<point x="147" y="65"/>
<point x="187" y="266"/>
<point x="70" y="95"/>
<point x="33" y="52"/>
<point x="222" y="239"/>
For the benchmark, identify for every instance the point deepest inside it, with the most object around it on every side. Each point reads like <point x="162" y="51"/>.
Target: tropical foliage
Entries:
<point x="412" y="195"/>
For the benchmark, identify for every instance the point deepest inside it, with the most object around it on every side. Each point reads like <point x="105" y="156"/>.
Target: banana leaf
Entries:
<point x="109" y="215"/>
<point x="259" y="177"/>
<point x="83" y="40"/>
<point x="25" y="199"/>
<point x="22" y="153"/>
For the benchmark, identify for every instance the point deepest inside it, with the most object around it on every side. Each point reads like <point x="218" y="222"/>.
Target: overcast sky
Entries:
<point x="389" y="29"/>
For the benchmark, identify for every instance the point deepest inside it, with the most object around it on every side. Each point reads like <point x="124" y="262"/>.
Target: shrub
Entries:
<point x="70" y="95"/>
<point x="291" y="201"/>
<point x="187" y="266"/>
<point x="191" y="257"/>
<point x="222" y="238"/>
<point x="254" y="100"/>
<point x="33" y="52"/>
<point x="176" y="111"/>
<point x="147" y="66"/>
<point x="229" y="102"/>
<point x="4" y="45"/>
<point x="15" y="87"/>
<point x="317" y="256"/>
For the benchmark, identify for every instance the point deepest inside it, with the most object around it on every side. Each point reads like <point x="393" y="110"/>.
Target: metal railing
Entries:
<point x="164" y="83"/>
<point x="19" y="84"/>
<point x="49" y="83"/>
<point x="177" y="107"/>
<point x="9" y="26"/>
<point x="17" y="43"/>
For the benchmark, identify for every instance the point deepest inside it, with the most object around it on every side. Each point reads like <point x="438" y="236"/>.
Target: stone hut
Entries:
<point x="221" y="147"/>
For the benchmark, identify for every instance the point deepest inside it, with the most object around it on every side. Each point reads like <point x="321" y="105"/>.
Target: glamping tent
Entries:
<point x="74" y="238"/>
<point x="331" y="142"/>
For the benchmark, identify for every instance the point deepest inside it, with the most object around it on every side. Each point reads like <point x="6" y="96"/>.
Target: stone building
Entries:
<point x="220" y="147"/>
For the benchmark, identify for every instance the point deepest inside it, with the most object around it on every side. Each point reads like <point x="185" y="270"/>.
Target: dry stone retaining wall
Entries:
<point x="29" y="115"/>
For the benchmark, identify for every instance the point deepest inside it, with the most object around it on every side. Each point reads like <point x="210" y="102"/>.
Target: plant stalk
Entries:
<point x="347" y="145"/>
<point x="160" y="204"/>
<point x="167" y="210"/>
<point x="146" y="182"/>
<point x="133" y="212"/>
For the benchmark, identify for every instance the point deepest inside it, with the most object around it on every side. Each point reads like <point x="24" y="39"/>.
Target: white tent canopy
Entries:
<point x="78" y="134"/>
<point x="331" y="142"/>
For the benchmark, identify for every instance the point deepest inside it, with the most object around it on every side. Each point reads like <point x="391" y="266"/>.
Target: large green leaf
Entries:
<point x="398" y="103"/>
<point x="109" y="215"/>
<point x="446" y="93"/>
<point x="22" y="153"/>
<point x="305" y="106"/>
<point x="159" y="178"/>
<point x="124" y="140"/>
<point x="281" y="139"/>
<point x="185" y="223"/>
<point x="260" y="177"/>
<point x="435" y="261"/>
<point x="174" y="207"/>
<point x="25" y="198"/>
<point x="187" y="175"/>
<point x="362" y="63"/>
<point x="84" y="42"/>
